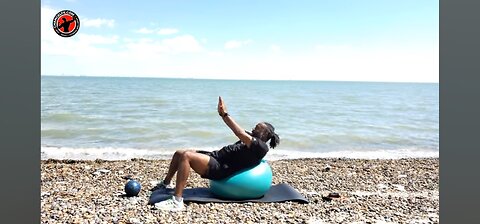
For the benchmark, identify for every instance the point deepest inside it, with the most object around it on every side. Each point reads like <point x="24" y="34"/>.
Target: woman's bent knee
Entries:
<point x="179" y="153"/>
<point x="188" y="155"/>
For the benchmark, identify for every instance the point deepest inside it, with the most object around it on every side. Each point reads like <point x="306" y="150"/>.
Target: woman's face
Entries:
<point x="259" y="129"/>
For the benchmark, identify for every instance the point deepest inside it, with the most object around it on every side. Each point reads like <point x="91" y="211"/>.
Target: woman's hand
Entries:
<point x="237" y="130"/>
<point x="222" y="109"/>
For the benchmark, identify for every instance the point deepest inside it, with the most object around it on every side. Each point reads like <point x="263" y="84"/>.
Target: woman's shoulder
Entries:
<point x="257" y="143"/>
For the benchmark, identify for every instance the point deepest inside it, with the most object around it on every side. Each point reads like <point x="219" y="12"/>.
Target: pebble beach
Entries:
<point x="371" y="191"/>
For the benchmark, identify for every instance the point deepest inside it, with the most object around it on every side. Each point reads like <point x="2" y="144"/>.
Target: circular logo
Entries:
<point x="66" y="23"/>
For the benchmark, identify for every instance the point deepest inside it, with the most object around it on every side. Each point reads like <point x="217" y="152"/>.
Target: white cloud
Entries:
<point x="322" y="47"/>
<point x="97" y="23"/>
<point x="161" y="31"/>
<point x="374" y="63"/>
<point x="350" y="63"/>
<point x="104" y="55"/>
<point x="46" y="17"/>
<point x="232" y="44"/>
<point x="167" y="31"/>
<point x="275" y="48"/>
<point x="186" y="43"/>
<point x="79" y="45"/>
<point x="97" y="39"/>
<point x="215" y="53"/>
<point x="144" y="30"/>
<point x="176" y="45"/>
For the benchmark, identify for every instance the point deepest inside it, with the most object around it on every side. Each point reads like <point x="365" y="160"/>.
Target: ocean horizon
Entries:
<point x="114" y="118"/>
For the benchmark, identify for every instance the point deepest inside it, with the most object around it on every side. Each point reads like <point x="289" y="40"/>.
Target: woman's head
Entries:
<point x="265" y="131"/>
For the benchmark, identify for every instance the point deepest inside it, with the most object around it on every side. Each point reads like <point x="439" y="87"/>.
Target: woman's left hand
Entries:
<point x="222" y="109"/>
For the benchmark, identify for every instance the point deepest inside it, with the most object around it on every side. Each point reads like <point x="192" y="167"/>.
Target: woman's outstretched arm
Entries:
<point x="237" y="130"/>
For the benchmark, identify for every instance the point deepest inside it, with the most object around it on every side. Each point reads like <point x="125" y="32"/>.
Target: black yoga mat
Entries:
<point x="277" y="193"/>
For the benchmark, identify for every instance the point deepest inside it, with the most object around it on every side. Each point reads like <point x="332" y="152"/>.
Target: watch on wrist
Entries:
<point x="225" y="114"/>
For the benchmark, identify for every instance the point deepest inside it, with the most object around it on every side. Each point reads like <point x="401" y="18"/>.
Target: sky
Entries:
<point x="349" y="40"/>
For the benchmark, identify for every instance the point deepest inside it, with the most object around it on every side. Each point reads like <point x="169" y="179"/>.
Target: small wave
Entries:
<point x="201" y="134"/>
<point x="111" y="153"/>
<point x="57" y="133"/>
<point x="63" y="117"/>
<point x="108" y="153"/>
<point x="354" y="154"/>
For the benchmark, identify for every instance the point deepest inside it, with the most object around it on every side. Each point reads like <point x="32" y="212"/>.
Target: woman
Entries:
<point x="245" y="153"/>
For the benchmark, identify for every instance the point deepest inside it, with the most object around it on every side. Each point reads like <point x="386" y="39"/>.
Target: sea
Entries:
<point x="117" y="118"/>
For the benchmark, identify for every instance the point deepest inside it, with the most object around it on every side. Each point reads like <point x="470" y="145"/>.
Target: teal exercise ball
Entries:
<point x="246" y="184"/>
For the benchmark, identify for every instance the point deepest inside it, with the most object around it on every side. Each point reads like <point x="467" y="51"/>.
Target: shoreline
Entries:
<point x="53" y="160"/>
<point x="372" y="190"/>
<point x="115" y="154"/>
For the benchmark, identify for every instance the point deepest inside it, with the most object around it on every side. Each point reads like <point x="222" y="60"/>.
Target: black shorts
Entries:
<point x="216" y="170"/>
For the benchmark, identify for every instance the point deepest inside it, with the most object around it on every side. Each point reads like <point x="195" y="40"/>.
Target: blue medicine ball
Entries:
<point x="132" y="188"/>
<point x="246" y="184"/>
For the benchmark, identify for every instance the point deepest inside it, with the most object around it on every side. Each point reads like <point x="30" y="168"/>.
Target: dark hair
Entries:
<point x="272" y="136"/>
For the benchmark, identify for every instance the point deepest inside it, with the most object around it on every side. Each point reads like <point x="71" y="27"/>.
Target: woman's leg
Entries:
<point x="173" y="166"/>
<point x="189" y="159"/>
